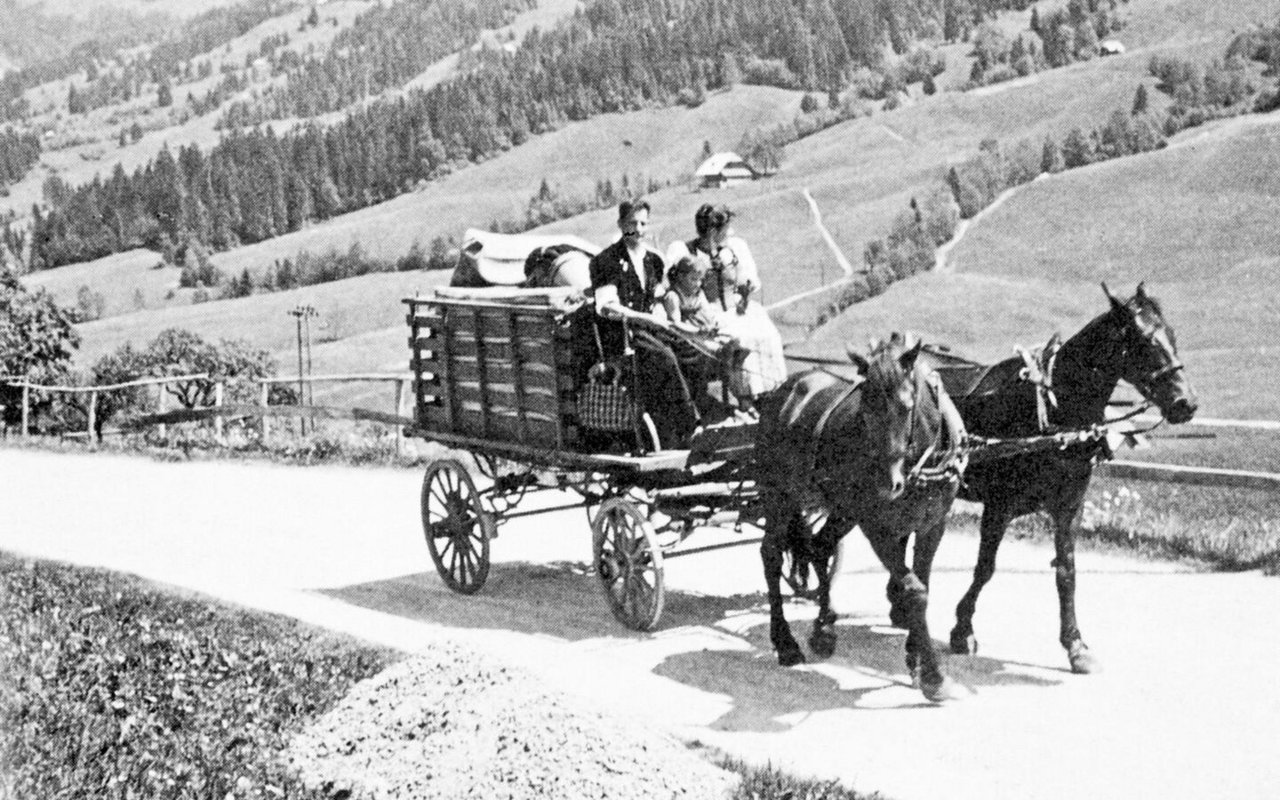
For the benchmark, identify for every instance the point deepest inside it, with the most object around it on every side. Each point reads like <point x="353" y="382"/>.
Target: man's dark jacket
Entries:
<point x="612" y="267"/>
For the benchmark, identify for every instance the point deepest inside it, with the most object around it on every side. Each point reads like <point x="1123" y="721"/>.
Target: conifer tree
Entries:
<point x="1140" y="100"/>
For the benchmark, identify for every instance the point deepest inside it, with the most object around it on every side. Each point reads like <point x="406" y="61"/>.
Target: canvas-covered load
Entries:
<point x="500" y="259"/>
<point x="496" y="364"/>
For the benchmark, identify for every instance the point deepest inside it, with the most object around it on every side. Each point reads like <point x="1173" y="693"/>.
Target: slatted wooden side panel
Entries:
<point x="493" y="371"/>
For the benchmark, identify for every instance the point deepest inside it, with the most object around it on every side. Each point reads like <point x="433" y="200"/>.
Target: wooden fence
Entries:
<point x="399" y="419"/>
<point x="219" y="411"/>
<point x="95" y="391"/>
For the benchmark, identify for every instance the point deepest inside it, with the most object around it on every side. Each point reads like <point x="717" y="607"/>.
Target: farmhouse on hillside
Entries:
<point x="724" y="169"/>
<point x="1111" y="47"/>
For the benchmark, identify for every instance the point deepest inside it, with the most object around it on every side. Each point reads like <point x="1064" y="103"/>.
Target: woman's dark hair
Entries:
<point x="709" y="218"/>
<point x="628" y="208"/>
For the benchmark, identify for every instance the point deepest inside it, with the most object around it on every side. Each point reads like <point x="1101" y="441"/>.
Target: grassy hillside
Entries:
<point x="345" y="309"/>
<point x="1195" y="221"/>
<point x="120" y="279"/>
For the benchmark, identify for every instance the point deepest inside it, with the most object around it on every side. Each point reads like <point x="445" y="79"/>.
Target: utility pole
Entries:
<point x="303" y="314"/>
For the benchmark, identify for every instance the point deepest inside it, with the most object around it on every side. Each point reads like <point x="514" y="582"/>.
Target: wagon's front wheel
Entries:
<point x="456" y="526"/>
<point x="629" y="563"/>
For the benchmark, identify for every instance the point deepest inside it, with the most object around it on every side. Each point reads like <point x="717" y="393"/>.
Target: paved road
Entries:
<point x="1186" y="707"/>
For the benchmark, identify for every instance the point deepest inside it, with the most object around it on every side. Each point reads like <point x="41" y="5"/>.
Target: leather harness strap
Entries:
<point x="1037" y="370"/>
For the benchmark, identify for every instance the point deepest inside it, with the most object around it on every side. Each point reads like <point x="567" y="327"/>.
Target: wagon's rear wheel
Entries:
<point x="629" y="563"/>
<point x="456" y="526"/>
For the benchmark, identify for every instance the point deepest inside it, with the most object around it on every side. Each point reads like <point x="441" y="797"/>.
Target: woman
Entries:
<point x="729" y="283"/>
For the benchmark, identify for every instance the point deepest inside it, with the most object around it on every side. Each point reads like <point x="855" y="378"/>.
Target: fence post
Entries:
<point x="265" y="400"/>
<point x="26" y="411"/>
<point x="399" y="413"/>
<point x="93" y="416"/>
<point x="161" y="407"/>
<point x="218" y="389"/>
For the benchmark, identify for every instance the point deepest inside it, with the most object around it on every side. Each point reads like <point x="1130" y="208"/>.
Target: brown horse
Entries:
<point x="880" y="452"/>
<point x="1131" y="342"/>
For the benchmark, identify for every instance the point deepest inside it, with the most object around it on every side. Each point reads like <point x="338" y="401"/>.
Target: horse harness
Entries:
<point x="951" y="464"/>
<point x="1037" y="369"/>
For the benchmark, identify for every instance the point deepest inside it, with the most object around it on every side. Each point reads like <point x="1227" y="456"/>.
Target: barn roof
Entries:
<point x="728" y="164"/>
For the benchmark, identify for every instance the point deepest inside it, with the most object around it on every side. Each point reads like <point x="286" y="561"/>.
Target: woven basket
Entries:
<point x="605" y="403"/>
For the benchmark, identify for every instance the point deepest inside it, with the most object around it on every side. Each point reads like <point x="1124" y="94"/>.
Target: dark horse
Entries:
<point x="1130" y="341"/>
<point x="881" y="452"/>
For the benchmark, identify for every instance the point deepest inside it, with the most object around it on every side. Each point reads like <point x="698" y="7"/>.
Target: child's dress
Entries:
<point x="697" y="310"/>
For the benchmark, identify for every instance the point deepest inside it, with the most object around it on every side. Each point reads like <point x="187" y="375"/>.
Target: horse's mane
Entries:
<point x="884" y="372"/>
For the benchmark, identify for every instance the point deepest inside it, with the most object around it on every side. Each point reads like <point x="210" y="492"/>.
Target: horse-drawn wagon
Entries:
<point x="497" y="375"/>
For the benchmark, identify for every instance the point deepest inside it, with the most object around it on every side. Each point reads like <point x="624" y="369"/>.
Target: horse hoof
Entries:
<point x="1082" y="661"/>
<point x="823" y="643"/>
<point x="964" y="645"/>
<point x="942" y="691"/>
<point x="790" y="657"/>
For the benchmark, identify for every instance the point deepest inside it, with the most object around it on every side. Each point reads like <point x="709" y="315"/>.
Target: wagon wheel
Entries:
<point x="456" y="527"/>
<point x="629" y="563"/>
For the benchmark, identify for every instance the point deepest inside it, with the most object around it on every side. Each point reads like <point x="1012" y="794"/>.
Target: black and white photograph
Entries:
<point x="639" y="399"/>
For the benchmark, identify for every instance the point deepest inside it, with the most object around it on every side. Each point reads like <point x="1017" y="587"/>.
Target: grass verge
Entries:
<point x="111" y="687"/>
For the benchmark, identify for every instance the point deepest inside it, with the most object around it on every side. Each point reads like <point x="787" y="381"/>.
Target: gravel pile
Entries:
<point x="454" y="723"/>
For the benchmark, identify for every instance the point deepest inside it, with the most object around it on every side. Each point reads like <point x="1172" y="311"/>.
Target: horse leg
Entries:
<point x="1064" y="564"/>
<point x="822" y="640"/>
<point x="915" y="602"/>
<point x="771" y="549"/>
<point x="898" y="616"/>
<point x="995" y="518"/>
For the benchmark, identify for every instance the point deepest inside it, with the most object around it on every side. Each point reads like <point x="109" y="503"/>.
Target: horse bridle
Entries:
<point x="1146" y="384"/>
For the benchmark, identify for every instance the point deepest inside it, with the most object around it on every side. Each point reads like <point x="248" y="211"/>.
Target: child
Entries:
<point x="689" y="311"/>
<point x="685" y="304"/>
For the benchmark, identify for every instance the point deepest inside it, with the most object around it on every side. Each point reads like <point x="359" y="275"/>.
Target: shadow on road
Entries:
<point x="558" y="599"/>
<point x="563" y="600"/>
<point x="866" y="671"/>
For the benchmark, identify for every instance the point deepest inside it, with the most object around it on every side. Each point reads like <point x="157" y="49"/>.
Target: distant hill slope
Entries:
<point x="1195" y="221"/>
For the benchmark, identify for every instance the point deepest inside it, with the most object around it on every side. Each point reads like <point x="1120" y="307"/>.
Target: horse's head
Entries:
<point x="888" y="406"/>
<point x="1147" y="355"/>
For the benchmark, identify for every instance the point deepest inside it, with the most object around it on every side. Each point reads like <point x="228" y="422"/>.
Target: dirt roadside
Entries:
<point x="1185" y="705"/>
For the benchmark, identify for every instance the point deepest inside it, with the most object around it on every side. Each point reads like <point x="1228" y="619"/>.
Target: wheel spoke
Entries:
<point x="643" y="594"/>
<point x="464" y="566"/>
<point x="446" y="549"/>
<point x="440" y="495"/>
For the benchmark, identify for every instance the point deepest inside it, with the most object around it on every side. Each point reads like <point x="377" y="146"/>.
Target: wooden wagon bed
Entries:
<point x="494" y="374"/>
